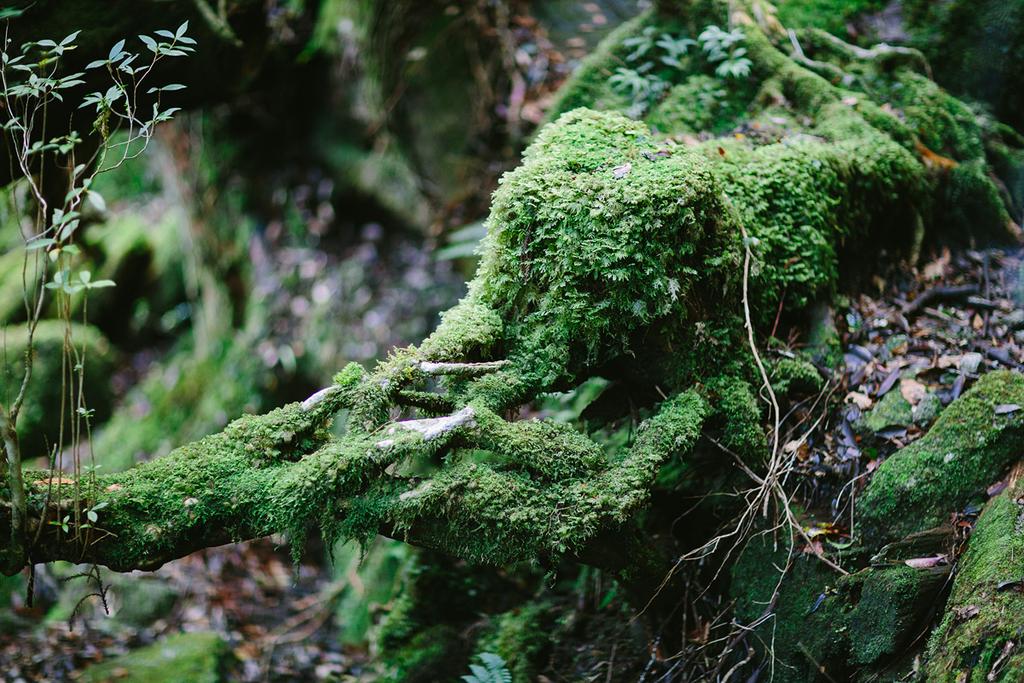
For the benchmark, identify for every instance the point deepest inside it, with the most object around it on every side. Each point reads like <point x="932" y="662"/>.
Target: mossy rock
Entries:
<point x="849" y="627"/>
<point x="979" y="637"/>
<point x="893" y="410"/>
<point x="182" y="658"/>
<point x="968" y="448"/>
<point x="39" y="422"/>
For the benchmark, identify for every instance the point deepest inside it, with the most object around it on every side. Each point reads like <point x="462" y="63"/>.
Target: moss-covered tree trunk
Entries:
<point x="646" y="251"/>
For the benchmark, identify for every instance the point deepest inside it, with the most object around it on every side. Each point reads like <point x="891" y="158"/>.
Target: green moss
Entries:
<point x="794" y="376"/>
<point x="810" y="619"/>
<point x="894" y="605"/>
<point x="740" y="415"/>
<point x="891" y="411"/>
<point x="982" y="624"/>
<point x="850" y="626"/>
<point x="569" y="252"/>
<point x="521" y="637"/>
<point x="830" y="15"/>
<point x="700" y="103"/>
<point x="40" y="419"/>
<point x="965" y="451"/>
<point x="195" y="657"/>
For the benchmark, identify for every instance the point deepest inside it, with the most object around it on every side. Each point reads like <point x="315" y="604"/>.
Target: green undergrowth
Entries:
<point x="183" y="398"/>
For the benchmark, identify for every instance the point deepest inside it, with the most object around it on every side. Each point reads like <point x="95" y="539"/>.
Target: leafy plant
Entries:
<point x="491" y="669"/>
<point x="122" y="120"/>
<point x="723" y="48"/>
<point x="656" y="61"/>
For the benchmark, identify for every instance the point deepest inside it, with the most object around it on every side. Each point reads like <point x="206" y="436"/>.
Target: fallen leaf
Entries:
<point x="621" y="171"/>
<point x="850" y="101"/>
<point x="1007" y="408"/>
<point x="862" y="401"/>
<point x="996" y="488"/>
<point x="937" y="268"/>
<point x="913" y="391"/>
<point x="888" y="382"/>
<point x="926" y="562"/>
<point x="945" y="362"/>
<point x="114" y="487"/>
<point x="932" y="159"/>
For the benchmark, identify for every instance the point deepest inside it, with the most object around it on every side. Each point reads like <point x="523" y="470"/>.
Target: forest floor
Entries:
<point x="909" y="349"/>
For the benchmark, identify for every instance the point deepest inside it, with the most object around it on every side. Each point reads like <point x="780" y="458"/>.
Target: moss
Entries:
<point x="740" y="414"/>
<point x="40" y="419"/>
<point x="978" y="638"/>
<point x="467" y="330"/>
<point x="195" y="657"/>
<point x="894" y="606"/>
<point x="849" y="626"/>
<point x="792" y="376"/>
<point x="976" y="48"/>
<point x="830" y="15"/>
<point x="891" y="411"/>
<point x="966" y="450"/>
<point x="521" y="637"/>
<point x="568" y="252"/>
<point x="700" y="103"/>
<point x="810" y="619"/>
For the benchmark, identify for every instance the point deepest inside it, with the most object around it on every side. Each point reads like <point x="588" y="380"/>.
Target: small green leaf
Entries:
<point x="117" y="50"/>
<point x="97" y="201"/>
